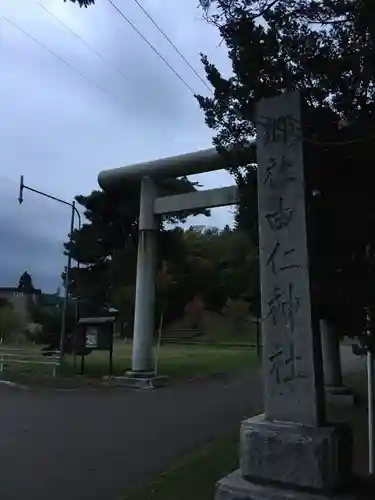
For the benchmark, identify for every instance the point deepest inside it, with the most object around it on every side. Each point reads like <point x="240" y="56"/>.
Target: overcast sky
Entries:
<point x="60" y="129"/>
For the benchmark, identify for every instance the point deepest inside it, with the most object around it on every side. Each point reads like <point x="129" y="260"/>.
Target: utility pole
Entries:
<point x="74" y="211"/>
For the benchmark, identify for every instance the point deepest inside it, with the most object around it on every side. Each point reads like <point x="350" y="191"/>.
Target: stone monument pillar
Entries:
<point x="289" y="452"/>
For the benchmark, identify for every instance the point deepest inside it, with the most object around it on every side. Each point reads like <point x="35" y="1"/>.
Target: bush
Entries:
<point x="10" y="322"/>
<point x="194" y="311"/>
<point x="237" y="312"/>
<point x="49" y="333"/>
<point x="33" y="331"/>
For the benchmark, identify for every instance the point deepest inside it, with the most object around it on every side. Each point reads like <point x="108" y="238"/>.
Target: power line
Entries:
<point x="53" y="53"/>
<point x="152" y="47"/>
<point x="92" y="49"/>
<point x="172" y="44"/>
<point x="82" y="40"/>
<point x="66" y="63"/>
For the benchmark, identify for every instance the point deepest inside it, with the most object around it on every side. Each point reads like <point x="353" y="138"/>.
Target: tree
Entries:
<point x="194" y="311"/>
<point x="25" y="283"/>
<point x="49" y="318"/>
<point x="166" y="294"/>
<point x="206" y="264"/>
<point x="325" y="50"/>
<point x="106" y="246"/>
<point x="82" y="3"/>
<point x="214" y="264"/>
<point x="123" y="299"/>
<point x="10" y="322"/>
<point x="237" y="311"/>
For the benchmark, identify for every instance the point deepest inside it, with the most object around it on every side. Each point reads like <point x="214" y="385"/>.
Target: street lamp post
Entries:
<point x="69" y="264"/>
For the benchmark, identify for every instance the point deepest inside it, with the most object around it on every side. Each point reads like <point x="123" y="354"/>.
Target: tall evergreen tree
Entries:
<point x="325" y="50"/>
<point x="25" y="283"/>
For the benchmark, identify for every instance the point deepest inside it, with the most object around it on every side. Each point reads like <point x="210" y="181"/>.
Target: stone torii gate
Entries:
<point x="290" y="452"/>
<point x="151" y="206"/>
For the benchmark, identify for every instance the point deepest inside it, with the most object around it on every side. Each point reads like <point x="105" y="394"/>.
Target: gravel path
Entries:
<point x="92" y="445"/>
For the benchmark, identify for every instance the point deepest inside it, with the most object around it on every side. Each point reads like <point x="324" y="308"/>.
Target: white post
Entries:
<point x="145" y="282"/>
<point x="370" y="398"/>
<point x="331" y="355"/>
<point x="159" y="342"/>
<point x="2" y="357"/>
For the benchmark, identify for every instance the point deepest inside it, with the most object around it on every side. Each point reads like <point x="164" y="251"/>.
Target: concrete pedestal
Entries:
<point x="235" y="487"/>
<point x="140" y="380"/>
<point x="340" y="395"/>
<point x="288" y="461"/>
<point x="289" y="454"/>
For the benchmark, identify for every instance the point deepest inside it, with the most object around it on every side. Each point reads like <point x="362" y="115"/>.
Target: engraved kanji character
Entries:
<point x="281" y="217"/>
<point x="285" y="364"/>
<point x="280" y="175"/>
<point x="272" y="259"/>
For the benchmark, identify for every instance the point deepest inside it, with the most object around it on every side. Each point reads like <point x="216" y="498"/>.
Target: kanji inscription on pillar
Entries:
<point x="289" y="355"/>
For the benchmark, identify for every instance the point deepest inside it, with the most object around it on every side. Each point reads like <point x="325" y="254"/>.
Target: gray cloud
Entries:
<point x="32" y="235"/>
<point x="59" y="130"/>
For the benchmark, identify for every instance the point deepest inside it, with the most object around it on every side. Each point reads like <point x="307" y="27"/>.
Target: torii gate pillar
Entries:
<point x="142" y="362"/>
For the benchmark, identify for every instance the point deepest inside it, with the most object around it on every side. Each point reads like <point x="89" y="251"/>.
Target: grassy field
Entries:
<point x="195" y="476"/>
<point x="178" y="362"/>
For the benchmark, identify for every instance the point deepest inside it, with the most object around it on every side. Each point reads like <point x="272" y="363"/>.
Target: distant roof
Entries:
<point x="97" y="320"/>
<point x="10" y="289"/>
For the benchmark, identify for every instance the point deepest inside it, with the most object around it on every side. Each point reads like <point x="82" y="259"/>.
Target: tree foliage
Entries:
<point x="208" y="263"/>
<point x="106" y="245"/>
<point x="237" y="311"/>
<point x="25" y="283"/>
<point x="210" y="266"/>
<point x="82" y="3"/>
<point x="325" y="50"/>
<point x="49" y="320"/>
<point x="10" y="321"/>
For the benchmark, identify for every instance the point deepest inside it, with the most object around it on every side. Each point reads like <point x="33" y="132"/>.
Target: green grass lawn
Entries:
<point x="195" y="476"/>
<point x="178" y="362"/>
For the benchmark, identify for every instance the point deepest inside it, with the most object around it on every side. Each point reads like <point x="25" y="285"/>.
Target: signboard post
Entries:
<point x="96" y="334"/>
